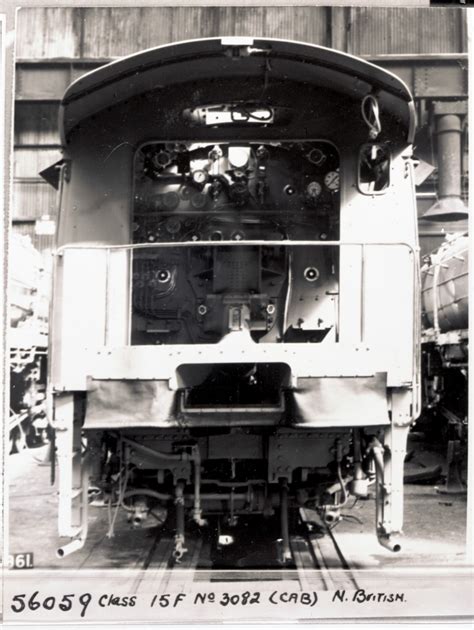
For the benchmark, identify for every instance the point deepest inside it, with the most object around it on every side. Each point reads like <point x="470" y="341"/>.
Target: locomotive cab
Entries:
<point x="236" y="286"/>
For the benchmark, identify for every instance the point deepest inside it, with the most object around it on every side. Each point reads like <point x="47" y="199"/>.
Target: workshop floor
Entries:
<point x="434" y="524"/>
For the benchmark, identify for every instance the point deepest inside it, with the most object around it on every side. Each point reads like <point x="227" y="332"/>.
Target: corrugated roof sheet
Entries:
<point x="113" y="32"/>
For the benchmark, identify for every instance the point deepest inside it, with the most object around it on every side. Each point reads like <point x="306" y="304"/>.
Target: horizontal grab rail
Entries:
<point x="256" y="243"/>
<point x="412" y="249"/>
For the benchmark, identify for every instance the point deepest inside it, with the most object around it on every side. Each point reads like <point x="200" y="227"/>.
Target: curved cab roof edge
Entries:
<point x="180" y="52"/>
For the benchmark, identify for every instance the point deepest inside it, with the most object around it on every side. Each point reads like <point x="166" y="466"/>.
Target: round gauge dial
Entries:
<point x="313" y="190"/>
<point x="331" y="180"/>
<point x="199" y="176"/>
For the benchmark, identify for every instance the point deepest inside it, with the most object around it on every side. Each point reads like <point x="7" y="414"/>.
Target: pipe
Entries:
<point x="285" y="534"/>
<point x="345" y="495"/>
<point x="288" y="293"/>
<point x="195" y="457"/>
<point x="52" y="455"/>
<point x="179" y="549"/>
<point x="336" y="486"/>
<point x="332" y="516"/>
<point x="342" y="485"/>
<point x="145" y="492"/>
<point x="253" y="243"/>
<point x="71" y="547"/>
<point x="233" y="484"/>
<point x="358" y="474"/>
<point x="197" y="511"/>
<point x="359" y="484"/>
<point x="161" y="496"/>
<point x="448" y="131"/>
<point x="389" y="542"/>
<point x="386" y="540"/>
<point x="150" y="451"/>
<point x="378" y="453"/>
<point x="449" y="206"/>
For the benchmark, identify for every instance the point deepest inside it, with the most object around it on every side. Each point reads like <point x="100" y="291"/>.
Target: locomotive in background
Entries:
<point x="445" y="337"/>
<point x="236" y="315"/>
<point x="28" y="340"/>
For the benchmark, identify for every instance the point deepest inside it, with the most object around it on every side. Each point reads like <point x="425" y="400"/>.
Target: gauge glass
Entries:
<point x="331" y="180"/>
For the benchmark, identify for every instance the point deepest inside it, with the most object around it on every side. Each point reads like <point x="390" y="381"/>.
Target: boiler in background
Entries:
<point x="445" y="287"/>
<point x="445" y="338"/>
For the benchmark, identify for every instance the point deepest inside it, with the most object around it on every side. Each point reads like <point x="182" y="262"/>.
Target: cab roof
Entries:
<point x="227" y="57"/>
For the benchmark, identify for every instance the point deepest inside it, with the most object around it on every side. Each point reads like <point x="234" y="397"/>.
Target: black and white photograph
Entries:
<point x="237" y="260"/>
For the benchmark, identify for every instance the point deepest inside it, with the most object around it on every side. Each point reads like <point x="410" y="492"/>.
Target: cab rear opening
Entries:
<point x="233" y="385"/>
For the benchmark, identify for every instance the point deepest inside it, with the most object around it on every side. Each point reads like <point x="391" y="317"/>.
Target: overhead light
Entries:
<point x="446" y="209"/>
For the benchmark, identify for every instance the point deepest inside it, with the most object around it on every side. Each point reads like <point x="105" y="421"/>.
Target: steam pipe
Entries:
<point x="378" y="453"/>
<point x="179" y="549"/>
<point x="197" y="511"/>
<point x="336" y="486"/>
<point x="386" y="540"/>
<point x="233" y="484"/>
<point x="195" y="457"/>
<point x="151" y="451"/>
<point x="358" y="473"/>
<point x="389" y="542"/>
<point x="71" y="547"/>
<point x="162" y="496"/>
<point x="342" y="485"/>
<point x="359" y="484"/>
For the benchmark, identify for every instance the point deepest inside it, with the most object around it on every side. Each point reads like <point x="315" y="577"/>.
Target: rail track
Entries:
<point x="317" y="564"/>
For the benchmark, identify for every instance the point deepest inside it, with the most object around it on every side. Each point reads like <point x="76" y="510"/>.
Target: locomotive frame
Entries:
<point x="346" y="403"/>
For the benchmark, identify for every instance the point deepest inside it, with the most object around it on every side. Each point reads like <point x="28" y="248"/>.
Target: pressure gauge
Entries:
<point x="331" y="180"/>
<point x="199" y="176"/>
<point x="313" y="190"/>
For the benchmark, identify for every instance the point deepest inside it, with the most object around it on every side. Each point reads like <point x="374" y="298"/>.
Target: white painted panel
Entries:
<point x="350" y="275"/>
<point x="160" y="362"/>
<point x="387" y="217"/>
<point x="388" y="275"/>
<point x="388" y="308"/>
<point x="82" y="297"/>
<point x="117" y="298"/>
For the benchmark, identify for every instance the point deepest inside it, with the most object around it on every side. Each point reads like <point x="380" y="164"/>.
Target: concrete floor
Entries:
<point x="434" y="529"/>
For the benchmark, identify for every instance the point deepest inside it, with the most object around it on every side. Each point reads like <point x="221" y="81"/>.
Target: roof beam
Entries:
<point x="437" y="77"/>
